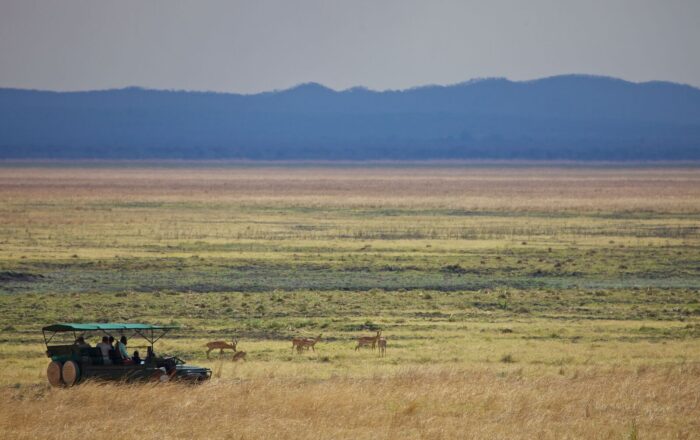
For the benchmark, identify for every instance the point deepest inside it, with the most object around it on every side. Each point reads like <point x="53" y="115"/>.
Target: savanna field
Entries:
<point x="518" y="301"/>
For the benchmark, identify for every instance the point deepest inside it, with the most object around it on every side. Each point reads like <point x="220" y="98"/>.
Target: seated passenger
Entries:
<point x="113" y="353"/>
<point x="80" y="342"/>
<point x="105" y="347"/>
<point x="121" y="350"/>
<point x="114" y="357"/>
<point x="136" y="358"/>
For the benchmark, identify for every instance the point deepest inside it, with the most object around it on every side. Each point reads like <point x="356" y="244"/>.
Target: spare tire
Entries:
<point x="53" y="372"/>
<point x="71" y="373"/>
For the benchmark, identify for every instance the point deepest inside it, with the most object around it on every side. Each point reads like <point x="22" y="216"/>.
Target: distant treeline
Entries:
<point x="566" y="117"/>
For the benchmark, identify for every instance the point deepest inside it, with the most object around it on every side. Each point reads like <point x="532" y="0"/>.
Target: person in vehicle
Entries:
<point x="113" y="353"/>
<point x="121" y="350"/>
<point x="80" y="342"/>
<point x="105" y="347"/>
<point x="136" y="358"/>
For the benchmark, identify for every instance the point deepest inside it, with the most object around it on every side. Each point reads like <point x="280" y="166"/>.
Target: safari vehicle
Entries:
<point x="71" y="363"/>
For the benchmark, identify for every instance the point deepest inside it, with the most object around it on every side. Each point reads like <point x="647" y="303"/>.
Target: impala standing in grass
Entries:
<point x="382" y="346"/>
<point x="221" y="346"/>
<point x="366" y="341"/>
<point x="301" y="343"/>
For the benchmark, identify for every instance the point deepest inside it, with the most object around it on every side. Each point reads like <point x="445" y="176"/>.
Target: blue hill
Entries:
<point x="563" y="117"/>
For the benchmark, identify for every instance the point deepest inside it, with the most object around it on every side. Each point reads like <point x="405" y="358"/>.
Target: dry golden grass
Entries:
<point x="419" y="403"/>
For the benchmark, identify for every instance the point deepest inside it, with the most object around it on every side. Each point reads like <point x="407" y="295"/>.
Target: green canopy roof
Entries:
<point x="88" y="326"/>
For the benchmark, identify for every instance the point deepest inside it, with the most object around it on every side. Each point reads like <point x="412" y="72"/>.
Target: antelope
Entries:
<point x="221" y="345"/>
<point x="239" y="356"/>
<point x="363" y="341"/>
<point x="297" y="343"/>
<point x="302" y="343"/>
<point x="382" y="346"/>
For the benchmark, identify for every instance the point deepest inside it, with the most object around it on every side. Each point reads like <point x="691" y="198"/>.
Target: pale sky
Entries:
<point x="256" y="45"/>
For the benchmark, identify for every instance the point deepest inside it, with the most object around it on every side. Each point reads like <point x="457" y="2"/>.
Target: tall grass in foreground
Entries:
<point x="425" y="403"/>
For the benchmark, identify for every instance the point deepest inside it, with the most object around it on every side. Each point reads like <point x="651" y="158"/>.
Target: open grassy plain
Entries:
<point x="518" y="301"/>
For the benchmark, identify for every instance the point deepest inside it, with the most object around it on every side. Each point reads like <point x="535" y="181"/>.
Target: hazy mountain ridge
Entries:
<point x="563" y="117"/>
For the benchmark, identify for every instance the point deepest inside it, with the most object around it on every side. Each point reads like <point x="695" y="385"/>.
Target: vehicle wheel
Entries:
<point x="53" y="372"/>
<point x="71" y="373"/>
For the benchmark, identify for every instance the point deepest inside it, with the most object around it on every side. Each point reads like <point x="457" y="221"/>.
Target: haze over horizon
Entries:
<point x="360" y="87"/>
<point x="249" y="47"/>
